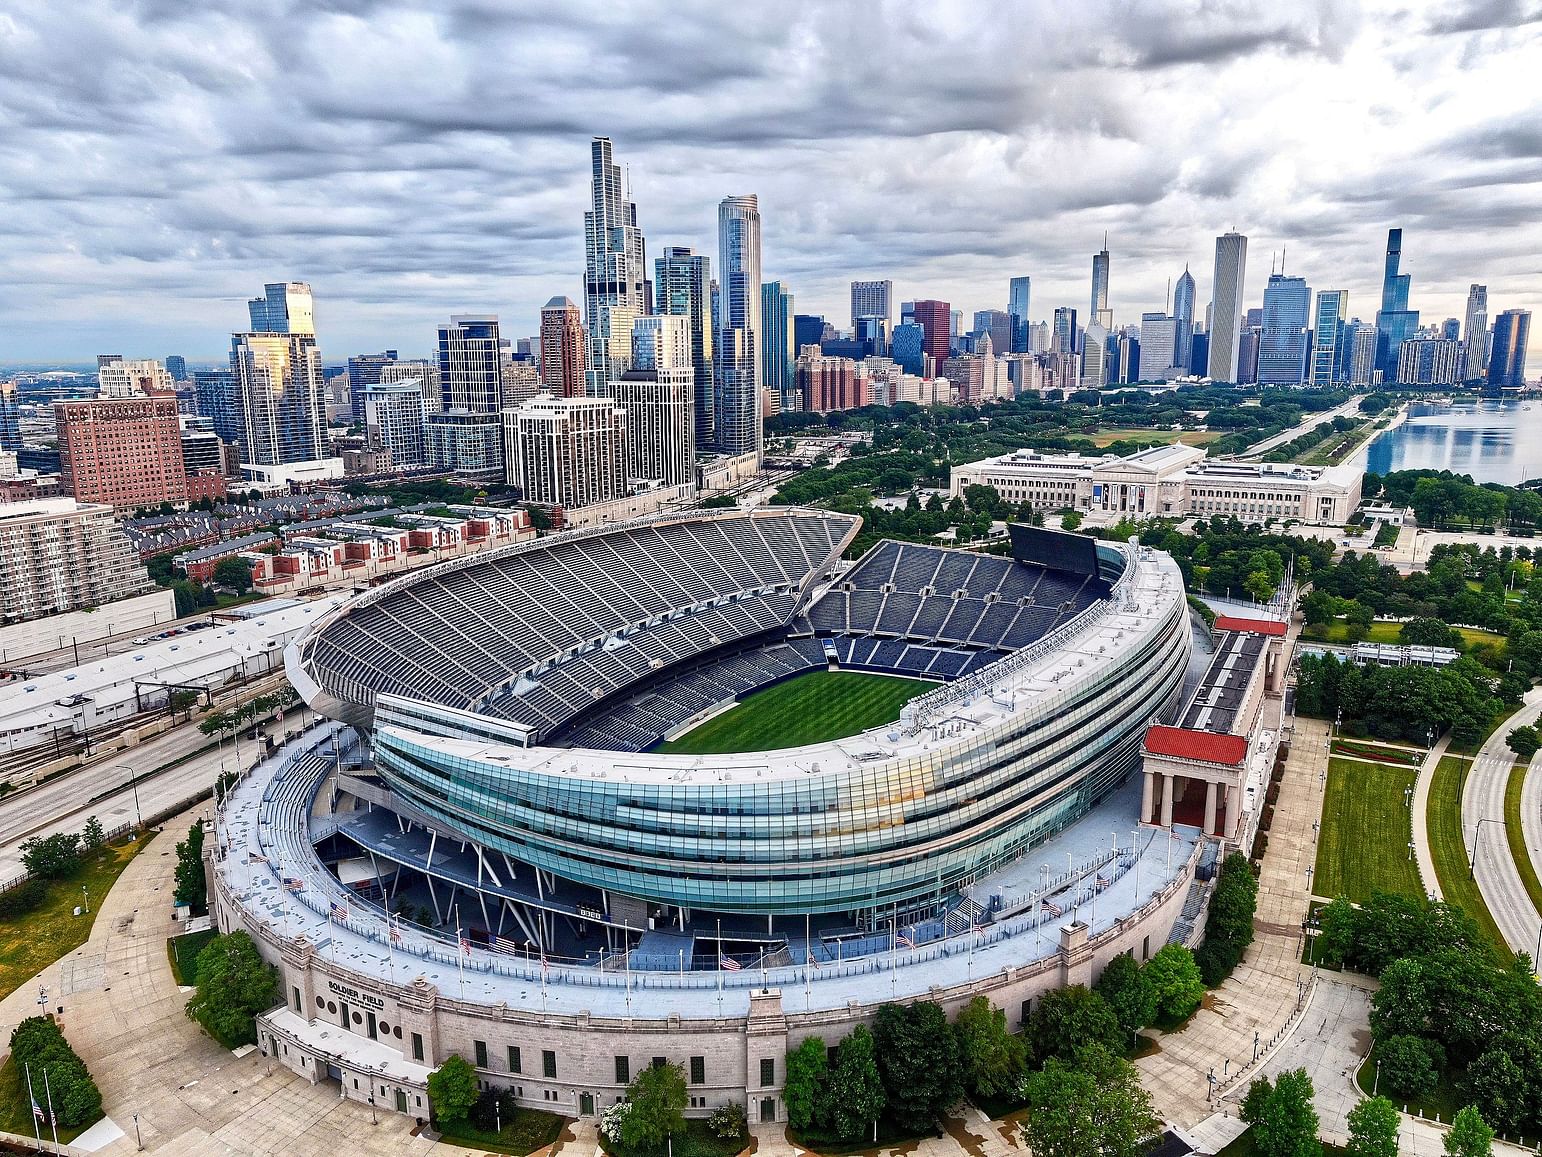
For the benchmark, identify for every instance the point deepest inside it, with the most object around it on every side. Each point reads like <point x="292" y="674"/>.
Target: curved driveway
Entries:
<point x="1483" y="800"/>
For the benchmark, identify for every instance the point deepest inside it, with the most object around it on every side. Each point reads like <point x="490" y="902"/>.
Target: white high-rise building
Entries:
<point x="420" y="370"/>
<point x="1231" y="259"/>
<point x="567" y="451"/>
<point x="1158" y="347"/>
<point x="121" y="378"/>
<point x="284" y="307"/>
<point x="615" y="270"/>
<point x="737" y="360"/>
<point x="394" y="419"/>
<point x="1475" y="334"/>
<point x="279" y="391"/>
<point x="871" y="299"/>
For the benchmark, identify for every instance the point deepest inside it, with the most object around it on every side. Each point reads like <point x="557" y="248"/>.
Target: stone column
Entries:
<point x="1167" y="801"/>
<point x="1147" y="790"/>
<point x="1210" y="807"/>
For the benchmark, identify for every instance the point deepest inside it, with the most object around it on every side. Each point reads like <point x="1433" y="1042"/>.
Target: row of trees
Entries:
<point x="1405" y="703"/>
<point x="1440" y="498"/>
<point x="192" y="885"/>
<point x="1229" y="926"/>
<point x="1448" y="1006"/>
<point x="219" y="722"/>
<point x="38" y="1047"/>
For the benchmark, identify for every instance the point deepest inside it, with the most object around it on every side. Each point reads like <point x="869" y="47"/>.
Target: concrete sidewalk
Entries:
<point x="1420" y="818"/>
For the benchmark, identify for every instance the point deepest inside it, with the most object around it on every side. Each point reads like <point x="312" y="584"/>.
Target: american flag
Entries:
<point x="294" y="883"/>
<point x="504" y="944"/>
<point x="728" y="963"/>
<point x="904" y="941"/>
<point x="812" y="961"/>
<point x="1053" y="909"/>
<point x="37" y="1110"/>
<point x="256" y="858"/>
<point x="395" y="930"/>
<point x="339" y="911"/>
<point x="545" y="968"/>
<point x="1102" y="883"/>
<point x="465" y="946"/>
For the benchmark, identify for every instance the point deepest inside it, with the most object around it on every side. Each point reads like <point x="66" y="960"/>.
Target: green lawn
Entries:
<point x="531" y="1129"/>
<point x="31" y="942"/>
<point x="183" y="951"/>
<point x="1517" y="835"/>
<point x="807" y="709"/>
<point x="1387" y="631"/>
<point x="1363" y="846"/>
<point x="1448" y="847"/>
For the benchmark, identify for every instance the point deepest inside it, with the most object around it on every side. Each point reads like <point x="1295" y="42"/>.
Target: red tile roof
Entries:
<point x="1205" y="745"/>
<point x="1257" y="626"/>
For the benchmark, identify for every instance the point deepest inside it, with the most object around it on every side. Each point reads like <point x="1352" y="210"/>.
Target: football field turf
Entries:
<point x="807" y="709"/>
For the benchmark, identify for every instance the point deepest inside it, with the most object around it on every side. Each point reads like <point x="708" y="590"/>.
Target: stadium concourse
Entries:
<point x="483" y="853"/>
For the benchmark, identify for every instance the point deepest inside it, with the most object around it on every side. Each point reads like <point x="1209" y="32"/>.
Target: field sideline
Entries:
<point x="809" y="708"/>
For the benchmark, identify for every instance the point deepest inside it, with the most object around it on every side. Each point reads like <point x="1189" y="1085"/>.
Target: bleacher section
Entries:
<point x="462" y="635"/>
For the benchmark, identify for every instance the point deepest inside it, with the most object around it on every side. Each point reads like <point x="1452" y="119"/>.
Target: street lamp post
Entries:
<point x="134" y="785"/>
<point x="1477" y="840"/>
<point x="138" y="1140"/>
<point x="85" y="898"/>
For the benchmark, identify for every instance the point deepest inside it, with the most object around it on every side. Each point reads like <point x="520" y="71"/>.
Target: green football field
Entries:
<point x="807" y="709"/>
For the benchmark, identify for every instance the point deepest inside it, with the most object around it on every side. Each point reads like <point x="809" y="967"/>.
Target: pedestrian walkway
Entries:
<point x="123" y="1013"/>
<point x="1239" y="1019"/>
<point x="1420" y="818"/>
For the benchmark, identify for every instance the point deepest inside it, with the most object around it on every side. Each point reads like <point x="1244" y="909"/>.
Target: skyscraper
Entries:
<point x="1507" y="359"/>
<point x="278" y="385"/>
<point x="737" y="356"/>
<point x="998" y="325"/>
<point x="1231" y="261"/>
<point x="1359" y="352"/>
<point x="10" y="417"/>
<point x="935" y="319"/>
<point x="1063" y="340"/>
<point x="908" y="348"/>
<point x="659" y="395"/>
<point x="1475" y="334"/>
<point x="218" y="397"/>
<point x="776" y="349"/>
<point x="466" y="435"/>
<point x="395" y="418"/>
<point x="1395" y="322"/>
<point x="363" y="372"/>
<point x="615" y="269"/>
<point x="1328" y="336"/>
<point x="176" y="366"/>
<point x="1018" y="290"/>
<point x="567" y="451"/>
<point x="1100" y="314"/>
<point x="562" y="348"/>
<point x="1183" y="310"/>
<point x="683" y="286"/>
<point x="1158" y="346"/>
<point x="124" y="451"/>
<point x="870" y="299"/>
<point x="1282" y="346"/>
<point x="284" y="307"/>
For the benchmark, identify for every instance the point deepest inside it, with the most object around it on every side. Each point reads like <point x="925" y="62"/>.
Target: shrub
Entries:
<point x="728" y="1121"/>
<point x="1409" y="1066"/>
<point x="1176" y="981"/>
<point x="26" y="897"/>
<point x="38" y="1043"/>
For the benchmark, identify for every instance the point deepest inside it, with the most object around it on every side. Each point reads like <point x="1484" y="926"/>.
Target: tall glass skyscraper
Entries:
<point x="615" y="270"/>
<point x="283" y="410"/>
<point x="776" y="353"/>
<point x="1507" y="361"/>
<point x="683" y="286"/>
<point x="1328" y="336"/>
<point x="1183" y="309"/>
<point x="908" y="347"/>
<point x="737" y="355"/>
<point x="1395" y="322"/>
<point x="1282" y="344"/>
<point x="1231" y="260"/>
<point x="1475" y="334"/>
<point x="1100" y="314"/>
<point x="1017" y="307"/>
<point x="284" y="307"/>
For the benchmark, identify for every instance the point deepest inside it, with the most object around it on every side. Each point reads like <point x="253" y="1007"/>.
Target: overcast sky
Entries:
<point x="160" y="160"/>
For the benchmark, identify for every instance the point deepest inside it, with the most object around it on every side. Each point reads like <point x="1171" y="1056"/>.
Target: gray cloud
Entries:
<point x="159" y="161"/>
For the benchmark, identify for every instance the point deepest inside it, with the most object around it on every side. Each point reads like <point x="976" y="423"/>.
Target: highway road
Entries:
<point x="1348" y="409"/>
<point x="108" y="790"/>
<point x="1483" y="801"/>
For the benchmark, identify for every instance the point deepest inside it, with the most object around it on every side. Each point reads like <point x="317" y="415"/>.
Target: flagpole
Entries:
<point x="37" y="1114"/>
<point x="391" y="946"/>
<point x="460" y="952"/>
<point x="626" y="931"/>
<point x="720" y="959"/>
<point x="53" y="1118"/>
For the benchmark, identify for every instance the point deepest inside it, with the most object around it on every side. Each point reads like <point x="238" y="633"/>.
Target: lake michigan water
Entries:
<point x="1492" y="440"/>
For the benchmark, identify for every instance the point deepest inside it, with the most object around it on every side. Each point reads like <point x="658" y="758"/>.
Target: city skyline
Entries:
<point x="403" y="205"/>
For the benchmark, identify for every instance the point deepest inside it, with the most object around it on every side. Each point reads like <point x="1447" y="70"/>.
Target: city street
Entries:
<point x="1483" y="814"/>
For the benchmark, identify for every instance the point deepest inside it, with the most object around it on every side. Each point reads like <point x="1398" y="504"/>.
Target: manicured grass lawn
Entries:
<point x="31" y="942"/>
<point x="1516" y="835"/>
<point x="1448" y="847"/>
<point x="16" y="1107"/>
<point x="1363" y="846"/>
<point x="531" y="1129"/>
<point x="1110" y="435"/>
<point x="807" y="709"/>
<point x="1387" y="631"/>
<point x="183" y="951"/>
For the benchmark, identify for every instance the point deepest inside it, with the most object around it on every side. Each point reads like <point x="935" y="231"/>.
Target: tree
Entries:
<point x="1066" y="1019"/>
<point x="1338" y="924"/>
<point x="1282" y="1116"/>
<point x="233" y="572"/>
<point x="1409" y="1066"/>
<point x="1229" y="928"/>
<point x="1095" y="1108"/>
<point x="452" y="1090"/>
<point x="1506" y="1082"/>
<point x="54" y="857"/>
<point x="92" y="836"/>
<point x="918" y="1058"/>
<point x="1176" y="981"/>
<point x="729" y="1121"/>
<point x="808" y="1070"/>
<point x="1401" y="1006"/>
<point x="1071" y="520"/>
<point x="1128" y="992"/>
<point x="1469" y="1135"/>
<point x="992" y="1058"/>
<point x="1373" y="1128"/>
<point x="1427" y="632"/>
<point x="657" y="1097"/>
<point x="234" y="985"/>
<point x="1525" y="741"/>
<point x="192" y="886"/>
<point x="37" y="1042"/>
<point x="856" y="1088"/>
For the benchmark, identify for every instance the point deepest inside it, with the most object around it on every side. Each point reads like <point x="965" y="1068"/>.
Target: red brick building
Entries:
<point x="126" y="452"/>
<point x="936" y="319"/>
<point x="827" y="384"/>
